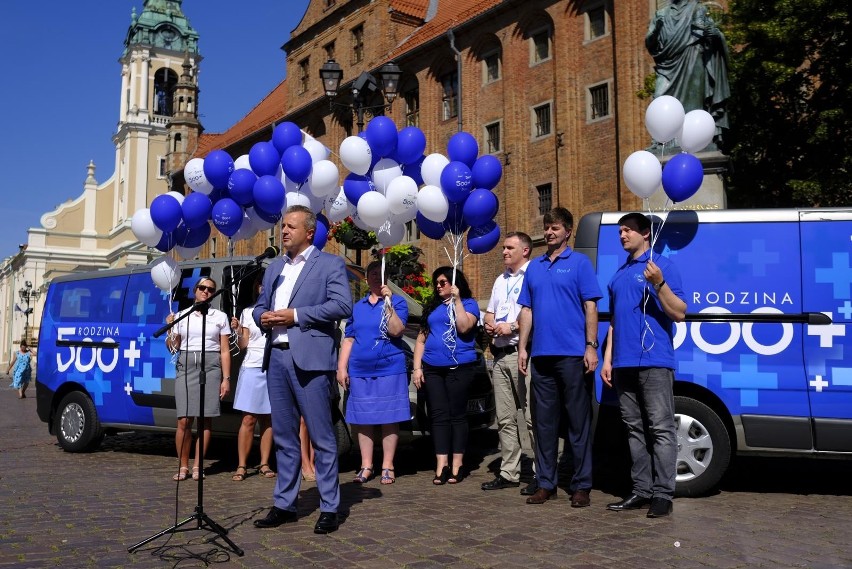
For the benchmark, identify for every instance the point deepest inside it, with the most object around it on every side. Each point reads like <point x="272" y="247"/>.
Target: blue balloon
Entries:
<point x="241" y="186"/>
<point x="480" y="207"/>
<point x="227" y="216"/>
<point x="297" y="164"/>
<point x="285" y="135"/>
<point x="462" y="147"/>
<point x="355" y="186"/>
<point x="266" y="216"/>
<point x="483" y="238"/>
<point x="196" y="237"/>
<point x="429" y="228"/>
<point x="166" y="212"/>
<point x="682" y="176"/>
<point x="454" y="222"/>
<point x="487" y="172"/>
<point x="171" y="238"/>
<point x="412" y="170"/>
<point x="264" y="159"/>
<point x="456" y="181"/>
<point x="196" y="209"/>
<point x="218" y="166"/>
<point x="268" y="194"/>
<point x="321" y="233"/>
<point x="382" y="136"/>
<point x="412" y="143"/>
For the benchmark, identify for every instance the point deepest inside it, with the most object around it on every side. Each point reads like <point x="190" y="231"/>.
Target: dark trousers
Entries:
<point x="446" y="396"/>
<point x="559" y="382"/>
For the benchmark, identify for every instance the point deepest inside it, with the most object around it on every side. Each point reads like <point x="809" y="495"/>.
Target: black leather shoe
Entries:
<point x="530" y="488"/>
<point x="327" y="523"/>
<point x="632" y="502"/>
<point x="660" y="508"/>
<point x="499" y="483"/>
<point x="276" y="517"/>
<point x="541" y="496"/>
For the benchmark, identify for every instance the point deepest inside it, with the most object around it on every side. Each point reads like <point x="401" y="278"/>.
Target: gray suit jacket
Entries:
<point x="322" y="297"/>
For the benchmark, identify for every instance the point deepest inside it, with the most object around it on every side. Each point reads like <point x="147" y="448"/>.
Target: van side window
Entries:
<point x="145" y="304"/>
<point x="96" y="299"/>
<point x="184" y="293"/>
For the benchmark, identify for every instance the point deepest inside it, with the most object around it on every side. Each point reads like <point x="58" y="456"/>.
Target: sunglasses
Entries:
<point x="441" y="283"/>
<point x="203" y="288"/>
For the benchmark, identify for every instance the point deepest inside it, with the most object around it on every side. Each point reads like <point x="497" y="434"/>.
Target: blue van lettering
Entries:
<point x="743" y="297"/>
<point x="736" y="331"/>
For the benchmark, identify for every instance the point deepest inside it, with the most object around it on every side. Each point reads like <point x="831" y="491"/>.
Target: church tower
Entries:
<point x="184" y="127"/>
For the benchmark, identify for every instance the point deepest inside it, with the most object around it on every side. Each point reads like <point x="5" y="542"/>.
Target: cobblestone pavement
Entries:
<point x="85" y="510"/>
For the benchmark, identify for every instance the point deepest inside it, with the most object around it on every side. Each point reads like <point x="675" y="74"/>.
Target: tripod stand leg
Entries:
<point x="173" y="529"/>
<point x="220" y="531"/>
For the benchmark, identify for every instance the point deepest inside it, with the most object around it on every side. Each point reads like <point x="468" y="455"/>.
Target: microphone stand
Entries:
<point x="203" y="521"/>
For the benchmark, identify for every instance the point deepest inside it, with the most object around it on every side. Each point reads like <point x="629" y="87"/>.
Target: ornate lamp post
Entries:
<point x="28" y="294"/>
<point x="363" y="89"/>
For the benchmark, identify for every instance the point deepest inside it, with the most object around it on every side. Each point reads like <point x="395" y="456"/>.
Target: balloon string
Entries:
<point x="384" y="322"/>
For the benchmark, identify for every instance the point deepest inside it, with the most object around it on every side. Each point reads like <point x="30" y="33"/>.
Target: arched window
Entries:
<point x="164" y="85"/>
<point x="177" y="146"/>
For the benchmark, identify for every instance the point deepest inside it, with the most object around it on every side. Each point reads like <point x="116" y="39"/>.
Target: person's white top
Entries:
<point x="256" y="343"/>
<point x="189" y="330"/>
<point x="504" y="302"/>
<point x="291" y="271"/>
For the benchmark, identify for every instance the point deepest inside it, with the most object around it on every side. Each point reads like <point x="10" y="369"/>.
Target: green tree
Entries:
<point x="790" y="140"/>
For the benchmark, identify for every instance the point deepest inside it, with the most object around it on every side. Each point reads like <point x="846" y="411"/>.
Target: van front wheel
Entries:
<point x="77" y="426"/>
<point x="703" y="447"/>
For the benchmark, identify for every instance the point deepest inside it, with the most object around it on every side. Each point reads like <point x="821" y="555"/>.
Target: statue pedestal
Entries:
<point x="711" y="194"/>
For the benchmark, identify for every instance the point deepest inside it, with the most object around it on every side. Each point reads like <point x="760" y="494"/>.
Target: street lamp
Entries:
<point x="27" y="294"/>
<point x="363" y="88"/>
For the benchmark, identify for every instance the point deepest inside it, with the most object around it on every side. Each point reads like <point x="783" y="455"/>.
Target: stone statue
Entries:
<point x="691" y="58"/>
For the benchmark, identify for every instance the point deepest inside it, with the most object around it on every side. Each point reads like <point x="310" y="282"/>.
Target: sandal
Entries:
<point x="182" y="473"/>
<point x="456" y="478"/>
<point x="441" y="479"/>
<point x="268" y="473"/>
<point x="240" y="476"/>
<point x="196" y="473"/>
<point x="309" y="476"/>
<point x="362" y="477"/>
<point x="387" y="477"/>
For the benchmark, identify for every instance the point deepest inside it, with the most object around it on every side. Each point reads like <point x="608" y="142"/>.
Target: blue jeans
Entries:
<point x="646" y="400"/>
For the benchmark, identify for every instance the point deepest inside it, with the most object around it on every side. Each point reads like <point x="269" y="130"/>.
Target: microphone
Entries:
<point x="271" y="252"/>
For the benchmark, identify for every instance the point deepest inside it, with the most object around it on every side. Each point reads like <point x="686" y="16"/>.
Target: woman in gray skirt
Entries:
<point x="186" y="336"/>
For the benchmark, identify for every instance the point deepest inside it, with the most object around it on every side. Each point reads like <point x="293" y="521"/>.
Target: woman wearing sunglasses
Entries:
<point x="444" y="364"/>
<point x="186" y="336"/>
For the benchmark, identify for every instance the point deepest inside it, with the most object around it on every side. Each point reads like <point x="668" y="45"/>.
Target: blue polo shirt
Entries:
<point x="642" y="333"/>
<point x="436" y="352"/>
<point x="372" y="355"/>
<point x="555" y="292"/>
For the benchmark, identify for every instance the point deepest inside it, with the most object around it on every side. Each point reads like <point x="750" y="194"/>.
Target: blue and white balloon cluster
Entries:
<point x="683" y="174"/>
<point x="387" y="168"/>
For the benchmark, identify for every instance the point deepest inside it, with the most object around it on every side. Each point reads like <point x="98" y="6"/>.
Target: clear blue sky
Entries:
<point x="61" y="92"/>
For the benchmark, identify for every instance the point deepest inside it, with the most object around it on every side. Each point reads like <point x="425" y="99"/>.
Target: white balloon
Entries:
<point x="373" y="209"/>
<point x="402" y="195"/>
<point x="176" y="195"/>
<point x="188" y="253"/>
<point x="290" y="185"/>
<point x="359" y="223"/>
<point x="390" y="234"/>
<point x="664" y="118"/>
<point x="325" y="178"/>
<point x="337" y="207"/>
<point x="247" y="228"/>
<point x="699" y="128"/>
<point x="165" y="273"/>
<point x="317" y="203"/>
<point x="432" y="203"/>
<point x="242" y="162"/>
<point x="298" y="198"/>
<point x="403" y="217"/>
<point x="431" y="169"/>
<point x="356" y="155"/>
<point x="257" y="222"/>
<point x="144" y="229"/>
<point x="316" y="149"/>
<point x="384" y="172"/>
<point x="193" y="173"/>
<point x="643" y="173"/>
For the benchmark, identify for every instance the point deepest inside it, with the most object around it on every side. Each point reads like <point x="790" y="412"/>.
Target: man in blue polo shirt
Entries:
<point x="559" y="299"/>
<point x="646" y="297"/>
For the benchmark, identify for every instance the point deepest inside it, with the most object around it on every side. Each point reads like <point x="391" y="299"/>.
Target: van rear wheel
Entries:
<point x="703" y="447"/>
<point x="77" y="426"/>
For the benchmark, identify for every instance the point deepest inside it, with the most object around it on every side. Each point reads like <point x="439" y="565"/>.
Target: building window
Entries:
<point x="177" y="144"/>
<point x="491" y="67"/>
<point x="412" y="232"/>
<point x="450" y="96"/>
<point x="545" y="198"/>
<point x="541" y="120"/>
<point x="595" y="23"/>
<point x="358" y="43"/>
<point x="304" y="74"/>
<point x="598" y="101"/>
<point x="412" y="107"/>
<point x="540" y="45"/>
<point x="329" y="3"/>
<point x="492" y="138"/>
<point x="329" y="50"/>
<point x="161" y="170"/>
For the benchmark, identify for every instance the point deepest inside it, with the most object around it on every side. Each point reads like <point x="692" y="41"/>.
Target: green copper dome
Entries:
<point x="162" y="24"/>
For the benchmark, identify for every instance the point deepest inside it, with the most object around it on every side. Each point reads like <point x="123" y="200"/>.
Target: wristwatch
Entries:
<point x="593" y="344"/>
<point x="513" y="327"/>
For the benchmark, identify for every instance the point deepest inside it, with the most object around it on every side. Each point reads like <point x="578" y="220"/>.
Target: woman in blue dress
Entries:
<point x="371" y="365"/>
<point x="444" y="364"/>
<point x="21" y="369"/>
